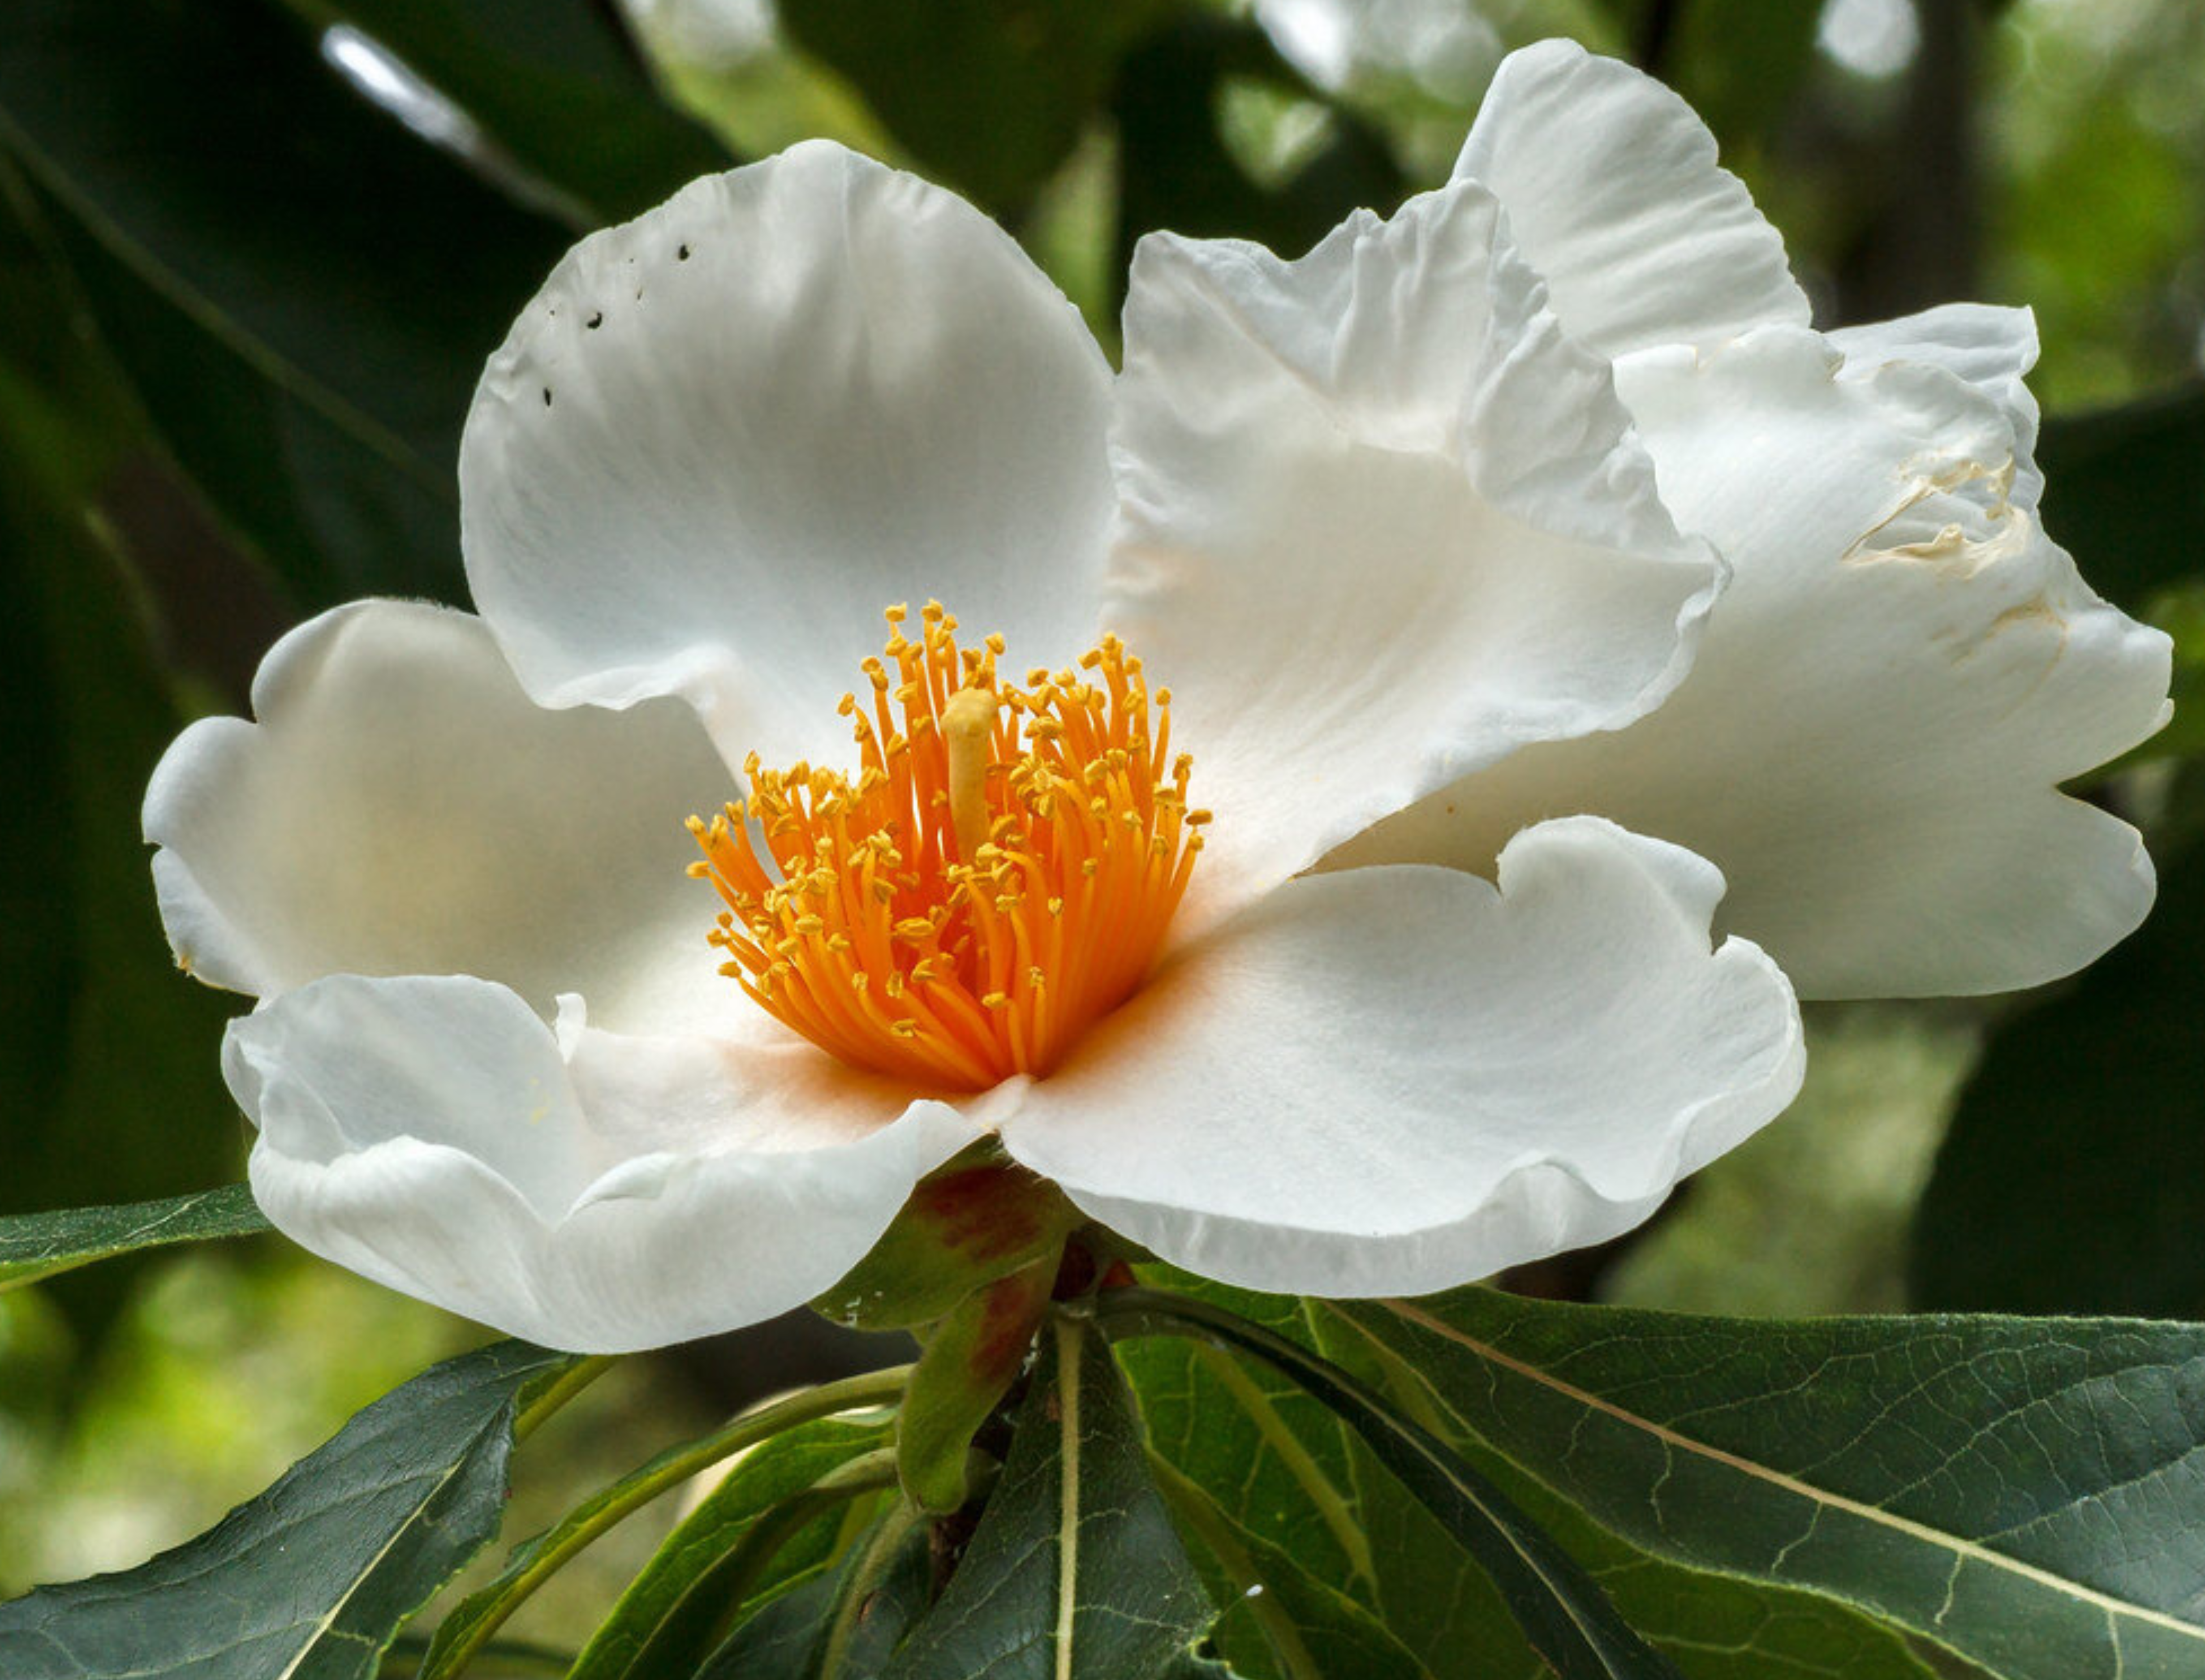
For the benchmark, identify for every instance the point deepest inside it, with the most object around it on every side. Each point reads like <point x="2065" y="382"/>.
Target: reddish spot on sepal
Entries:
<point x="983" y="1213"/>
<point x="980" y="1218"/>
<point x="972" y="1358"/>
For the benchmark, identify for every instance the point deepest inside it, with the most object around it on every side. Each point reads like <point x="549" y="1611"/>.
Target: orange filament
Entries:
<point x="996" y="877"/>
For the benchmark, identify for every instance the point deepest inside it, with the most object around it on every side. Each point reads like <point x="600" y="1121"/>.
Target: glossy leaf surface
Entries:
<point x="1302" y="1495"/>
<point x="313" y="1576"/>
<point x="1566" y="1619"/>
<point x="990" y="96"/>
<point x="2007" y="1488"/>
<point x="671" y="1611"/>
<point x="553" y="85"/>
<point x="2123" y="492"/>
<point x="1075" y="1572"/>
<point x="306" y="349"/>
<point x="39" y="1245"/>
<point x="2073" y="1177"/>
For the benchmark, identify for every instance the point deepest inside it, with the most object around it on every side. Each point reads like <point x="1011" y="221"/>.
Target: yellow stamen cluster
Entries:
<point x="996" y="877"/>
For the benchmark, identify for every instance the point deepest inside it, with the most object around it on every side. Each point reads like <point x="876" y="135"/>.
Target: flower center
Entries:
<point x="996" y="877"/>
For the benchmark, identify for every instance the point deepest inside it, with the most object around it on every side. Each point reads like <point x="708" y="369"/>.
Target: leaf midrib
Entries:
<point x="325" y="1624"/>
<point x="1965" y="1549"/>
<point x="1069" y="1332"/>
<point x="255" y="351"/>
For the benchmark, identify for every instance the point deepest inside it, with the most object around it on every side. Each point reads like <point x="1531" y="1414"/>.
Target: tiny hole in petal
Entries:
<point x="681" y="255"/>
<point x="547" y="396"/>
<point x="597" y="319"/>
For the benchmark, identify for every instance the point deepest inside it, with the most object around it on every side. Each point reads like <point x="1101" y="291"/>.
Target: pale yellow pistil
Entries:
<point x="968" y="732"/>
<point x="997" y="876"/>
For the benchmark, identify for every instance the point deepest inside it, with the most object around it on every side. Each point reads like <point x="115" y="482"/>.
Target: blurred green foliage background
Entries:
<point x="253" y="254"/>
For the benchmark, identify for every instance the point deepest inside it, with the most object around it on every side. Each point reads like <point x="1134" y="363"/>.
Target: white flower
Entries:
<point x="1385" y="520"/>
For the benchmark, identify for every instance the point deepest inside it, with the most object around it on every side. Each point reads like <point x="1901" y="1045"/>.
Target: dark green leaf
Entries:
<point x="108" y="1060"/>
<point x="2073" y="1177"/>
<point x="37" y="1245"/>
<point x="1738" y="63"/>
<point x="1176" y="172"/>
<point x="992" y="95"/>
<point x="475" y="1620"/>
<point x="1278" y="1463"/>
<point x="845" y="1625"/>
<point x="2025" y="1494"/>
<point x="1279" y="1618"/>
<point x="312" y="1578"/>
<point x="1289" y="1479"/>
<point x="669" y="1614"/>
<point x="1280" y="1472"/>
<point x="2123" y="493"/>
<point x="781" y="1641"/>
<point x="1074" y="1572"/>
<point x="306" y="348"/>
<point x="555" y="85"/>
<point x="1713" y="1627"/>
<point x="1568" y="1619"/>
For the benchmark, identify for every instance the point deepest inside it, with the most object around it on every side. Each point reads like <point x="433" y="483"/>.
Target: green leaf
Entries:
<point x="1713" y="1627"/>
<point x="1074" y="1572"/>
<point x="108" y="1061"/>
<point x="2124" y="495"/>
<point x="1279" y="1618"/>
<point x="1568" y="1619"/>
<point x="669" y="1614"/>
<point x="2073" y="1177"/>
<point x="478" y="1616"/>
<point x="1287" y="1477"/>
<point x="1279" y="1471"/>
<point x="312" y="1577"/>
<point x="1279" y="1463"/>
<point x="2025" y="1494"/>
<point x="38" y="1245"/>
<point x="976" y="1219"/>
<point x="1176" y="172"/>
<point x="307" y="347"/>
<point x="555" y="84"/>
<point x="990" y="95"/>
<point x="1738" y="63"/>
<point x="846" y="1624"/>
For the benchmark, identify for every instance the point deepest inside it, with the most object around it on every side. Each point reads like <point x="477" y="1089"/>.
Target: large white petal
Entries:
<point x="726" y="435"/>
<point x="1612" y="187"/>
<point x="1382" y="523"/>
<point x="1902" y="671"/>
<point x="401" y="807"/>
<point x="1990" y="347"/>
<point x="429" y="1134"/>
<point x="1387" y="1080"/>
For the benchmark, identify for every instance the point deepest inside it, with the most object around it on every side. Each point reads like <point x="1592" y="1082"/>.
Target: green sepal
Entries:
<point x="978" y="1219"/>
<point x="969" y="1359"/>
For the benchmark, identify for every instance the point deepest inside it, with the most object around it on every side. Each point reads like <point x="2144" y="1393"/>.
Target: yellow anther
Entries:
<point x="993" y="873"/>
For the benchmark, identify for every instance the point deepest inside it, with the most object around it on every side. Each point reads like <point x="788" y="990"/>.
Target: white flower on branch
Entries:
<point x="1522" y="568"/>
